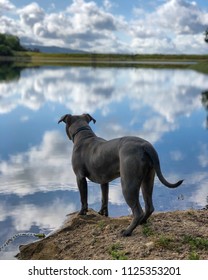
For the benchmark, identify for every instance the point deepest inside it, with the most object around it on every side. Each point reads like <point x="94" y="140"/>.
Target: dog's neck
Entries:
<point x="78" y="130"/>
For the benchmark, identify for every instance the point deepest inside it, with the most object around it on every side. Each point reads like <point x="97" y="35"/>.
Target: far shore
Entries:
<point x="32" y="59"/>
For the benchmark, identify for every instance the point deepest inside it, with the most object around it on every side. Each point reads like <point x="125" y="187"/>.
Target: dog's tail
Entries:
<point x="156" y="164"/>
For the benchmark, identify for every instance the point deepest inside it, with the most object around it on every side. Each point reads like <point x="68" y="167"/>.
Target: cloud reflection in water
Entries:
<point x="37" y="184"/>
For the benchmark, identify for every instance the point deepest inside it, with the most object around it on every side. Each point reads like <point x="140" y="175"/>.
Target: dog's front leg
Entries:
<point x="104" y="207"/>
<point x="82" y="185"/>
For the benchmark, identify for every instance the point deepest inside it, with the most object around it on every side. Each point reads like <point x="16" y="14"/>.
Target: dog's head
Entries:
<point x="69" y="119"/>
<point x="75" y="123"/>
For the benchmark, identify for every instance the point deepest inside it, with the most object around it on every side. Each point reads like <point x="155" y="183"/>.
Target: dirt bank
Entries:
<point x="170" y="235"/>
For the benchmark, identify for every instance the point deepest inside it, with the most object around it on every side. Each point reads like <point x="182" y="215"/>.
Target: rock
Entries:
<point x="150" y="245"/>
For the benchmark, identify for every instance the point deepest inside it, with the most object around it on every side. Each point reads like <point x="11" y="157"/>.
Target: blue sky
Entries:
<point x="136" y="26"/>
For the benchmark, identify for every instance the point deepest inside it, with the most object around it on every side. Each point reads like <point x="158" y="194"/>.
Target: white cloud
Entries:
<point x="171" y="26"/>
<point x="44" y="167"/>
<point x="87" y="16"/>
<point x="115" y="194"/>
<point x="179" y="94"/>
<point x="155" y="127"/>
<point x="199" y="181"/>
<point x="203" y="157"/>
<point x="31" y="14"/>
<point x="52" y="85"/>
<point x="24" y="216"/>
<point x="82" y="25"/>
<point x="42" y="216"/>
<point x="178" y="91"/>
<point x="176" y="155"/>
<point x="183" y="17"/>
<point x="108" y="4"/>
<point x="24" y="118"/>
<point x="174" y="26"/>
<point x="6" y="5"/>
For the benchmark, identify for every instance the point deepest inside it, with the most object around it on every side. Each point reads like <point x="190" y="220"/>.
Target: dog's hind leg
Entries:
<point x="131" y="195"/>
<point x="104" y="207"/>
<point x="147" y="190"/>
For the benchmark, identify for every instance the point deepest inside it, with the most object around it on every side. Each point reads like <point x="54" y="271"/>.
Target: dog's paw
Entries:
<point x="82" y="212"/>
<point x="125" y="233"/>
<point x="103" y="212"/>
<point x="143" y="222"/>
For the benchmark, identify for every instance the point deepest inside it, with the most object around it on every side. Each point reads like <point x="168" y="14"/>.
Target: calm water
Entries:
<point x="37" y="185"/>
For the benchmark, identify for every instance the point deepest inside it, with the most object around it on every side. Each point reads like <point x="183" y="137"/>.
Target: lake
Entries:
<point x="37" y="184"/>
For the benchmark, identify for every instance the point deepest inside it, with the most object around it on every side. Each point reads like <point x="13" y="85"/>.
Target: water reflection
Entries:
<point x="37" y="184"/>
<point x="9" y="72"/>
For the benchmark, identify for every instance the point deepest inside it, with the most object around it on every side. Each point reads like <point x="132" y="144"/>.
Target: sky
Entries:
<point x="103" y="26"/>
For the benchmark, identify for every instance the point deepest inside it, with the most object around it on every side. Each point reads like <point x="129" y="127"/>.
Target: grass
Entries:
<point x="165" y="242"/>
<point x="110" y="57"/>
<point x="147" y="230"/>
<point x="201" y="67"/>
<point x="193" y="256"/>
<point x="116" y="252"/>
<point x="192" y="244"/>
<point x="196" y="242"/>
<point x="101" y="225"/>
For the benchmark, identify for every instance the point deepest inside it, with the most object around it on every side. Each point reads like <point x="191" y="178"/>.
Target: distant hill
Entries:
<point x="52" y="49"/>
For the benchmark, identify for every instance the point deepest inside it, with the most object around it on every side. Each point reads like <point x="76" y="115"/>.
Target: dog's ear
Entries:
<point x="89" y="118"/>
<point x="64" y="118"/>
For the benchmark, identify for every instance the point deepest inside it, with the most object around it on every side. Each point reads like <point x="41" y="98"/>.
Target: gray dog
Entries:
<point x="131" y="158"/>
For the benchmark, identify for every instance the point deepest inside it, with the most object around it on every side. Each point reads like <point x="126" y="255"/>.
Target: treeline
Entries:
<point x="9" y="44"/>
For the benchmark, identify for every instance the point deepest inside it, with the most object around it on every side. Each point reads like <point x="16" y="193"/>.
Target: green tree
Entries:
<point x="9" y="43"/>
<point x="13" y="42"/>
<point x="5" y="50"/>
<point x="2" y="39"/>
